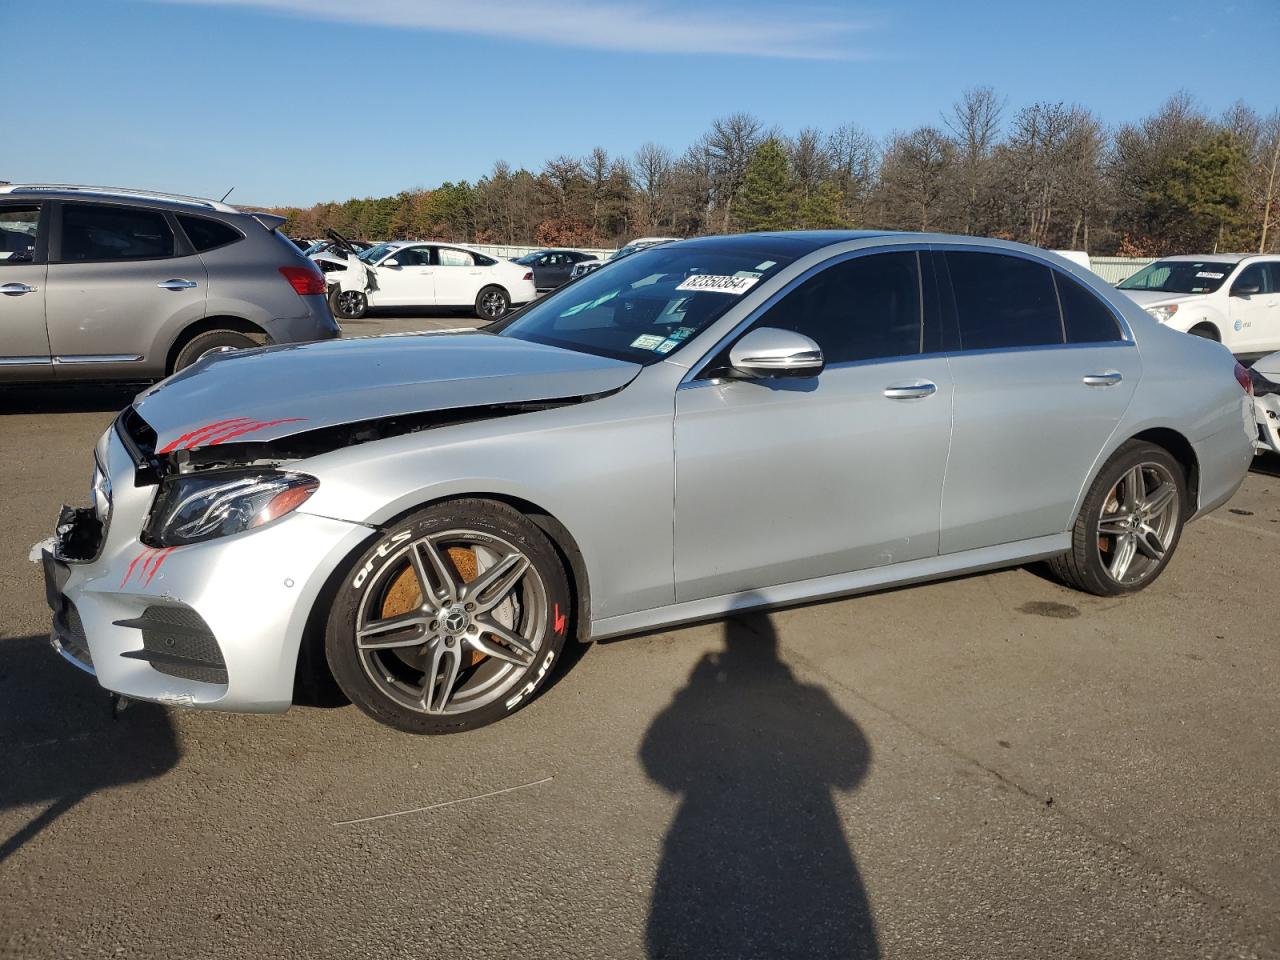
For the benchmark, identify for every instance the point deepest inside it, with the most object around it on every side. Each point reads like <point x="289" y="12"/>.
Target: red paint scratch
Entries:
<point x="222" y="430"/>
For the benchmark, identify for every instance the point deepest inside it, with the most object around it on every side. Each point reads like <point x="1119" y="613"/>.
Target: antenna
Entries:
<point x="225" y="195"/>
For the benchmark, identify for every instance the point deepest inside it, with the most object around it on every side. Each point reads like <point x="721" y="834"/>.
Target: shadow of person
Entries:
<point x="58" y="742"/>
<point x="755" y="863"/>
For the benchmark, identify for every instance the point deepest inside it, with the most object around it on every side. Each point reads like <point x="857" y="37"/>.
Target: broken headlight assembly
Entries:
<point x="193" y="508"/>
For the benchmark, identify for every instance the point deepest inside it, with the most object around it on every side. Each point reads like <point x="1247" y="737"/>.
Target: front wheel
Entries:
<point x="210" y="342"/>
<point x="492" y="304"/>
<point x="1129" y="525"/>
<point x="451" y="620"/>
<point x="348" y="304"/>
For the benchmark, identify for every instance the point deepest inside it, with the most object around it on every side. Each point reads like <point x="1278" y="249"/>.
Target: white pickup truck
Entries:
<point x="1233" y="298"/>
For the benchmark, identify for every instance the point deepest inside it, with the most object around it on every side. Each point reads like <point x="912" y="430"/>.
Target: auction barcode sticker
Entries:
<point x="710" y="283"/>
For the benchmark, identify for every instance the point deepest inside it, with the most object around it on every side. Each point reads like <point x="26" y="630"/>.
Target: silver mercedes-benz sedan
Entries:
<point x="699" y="428"/>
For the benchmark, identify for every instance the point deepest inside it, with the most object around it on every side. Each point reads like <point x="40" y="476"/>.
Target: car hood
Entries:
<point x="1269" y="367"/>
<point x="274" y="392"/>
<point x="1153" y="298"/>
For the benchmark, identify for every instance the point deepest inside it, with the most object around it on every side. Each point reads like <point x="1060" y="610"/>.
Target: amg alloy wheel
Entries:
<point x="1129" y="525"/>
<point x="451" y="621"/>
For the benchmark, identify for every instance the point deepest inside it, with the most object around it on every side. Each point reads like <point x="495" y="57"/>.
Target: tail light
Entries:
<point x="529" y="275"/>
<point x="1244" y="379"/>
<point x="306" y="281"/>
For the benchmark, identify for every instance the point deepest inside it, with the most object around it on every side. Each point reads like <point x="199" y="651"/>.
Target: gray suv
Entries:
<point x="105" y="284"/>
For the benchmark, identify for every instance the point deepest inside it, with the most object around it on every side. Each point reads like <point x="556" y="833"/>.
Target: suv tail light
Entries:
<point x="306" y="281"/>
<point x="1244" y="379"/>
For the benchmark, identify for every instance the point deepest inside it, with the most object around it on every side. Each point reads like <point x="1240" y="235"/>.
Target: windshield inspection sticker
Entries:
<point x="681" y="333"/>
<point x="710" y="283"/>
<point x="647" y="341"/>
<point x="666" y="346"/>
<point x="1206" y="275"/>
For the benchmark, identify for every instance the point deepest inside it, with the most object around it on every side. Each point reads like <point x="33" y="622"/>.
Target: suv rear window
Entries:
<point x="92" y="232"/>
<point x="207" y="234"/>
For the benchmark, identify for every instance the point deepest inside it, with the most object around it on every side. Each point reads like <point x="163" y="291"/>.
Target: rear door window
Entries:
<point x="92" y="232"/>
<point x="206" y="234"/>
<point x="1003" y="301"/>
<point x="18" y="223"/>
<point x="449" y="257"/>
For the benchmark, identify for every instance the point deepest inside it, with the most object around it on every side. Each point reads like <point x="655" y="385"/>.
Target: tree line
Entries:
<point x="1050" y="174"/>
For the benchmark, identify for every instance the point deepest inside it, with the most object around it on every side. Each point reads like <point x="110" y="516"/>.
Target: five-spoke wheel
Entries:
<point x="452" y="620"/>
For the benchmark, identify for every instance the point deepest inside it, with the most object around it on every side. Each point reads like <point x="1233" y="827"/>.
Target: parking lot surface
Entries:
<point x="991" y="766"/>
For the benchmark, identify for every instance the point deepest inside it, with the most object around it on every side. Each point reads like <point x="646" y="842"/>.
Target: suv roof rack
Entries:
<point x="38" y="188"/>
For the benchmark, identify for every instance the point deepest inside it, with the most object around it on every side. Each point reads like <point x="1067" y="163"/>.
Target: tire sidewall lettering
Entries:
<point x="381" y="552"/>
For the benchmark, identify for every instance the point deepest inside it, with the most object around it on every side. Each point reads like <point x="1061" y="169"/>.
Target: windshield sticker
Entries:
<point x="666" y="346"/>
<point x="681" y="333"/>
<point x="710" y="283"/>
<point x="647" y="341"/>
<point x="766" y="265"/>
<point x="1206" y="275"/>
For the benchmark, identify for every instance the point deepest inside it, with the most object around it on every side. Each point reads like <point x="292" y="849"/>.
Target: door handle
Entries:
<point x="16" y="289"/>
<point x="1108" y="379"/>
<point x="176" y="284"/>
<point x="911" y="391"/>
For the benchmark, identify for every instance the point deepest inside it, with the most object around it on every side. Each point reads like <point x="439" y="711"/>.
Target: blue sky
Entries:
<point x="295" y="101"/>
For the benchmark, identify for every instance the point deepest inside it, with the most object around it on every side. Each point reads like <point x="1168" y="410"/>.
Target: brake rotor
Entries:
<point x="404" y="593"/>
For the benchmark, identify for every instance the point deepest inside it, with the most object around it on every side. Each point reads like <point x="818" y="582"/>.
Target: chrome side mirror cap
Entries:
<point x="771" y="352"/>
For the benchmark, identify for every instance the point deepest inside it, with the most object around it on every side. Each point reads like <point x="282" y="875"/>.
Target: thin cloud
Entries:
<point x="643" y="27"/>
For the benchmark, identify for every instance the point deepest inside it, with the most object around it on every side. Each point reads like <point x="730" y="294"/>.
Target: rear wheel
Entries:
<point x="492" y="304"/>
<point x="1129" y="525"/>
<point x="210" y="342"/>
<point x="348" y="304"/>
<point x="450" y="621"/>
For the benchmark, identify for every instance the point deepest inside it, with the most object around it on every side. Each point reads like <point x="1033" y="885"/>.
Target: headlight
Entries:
<point x="1163" y="314"/>
<point x="195" y="508"/>
<point x="100" y="492"/>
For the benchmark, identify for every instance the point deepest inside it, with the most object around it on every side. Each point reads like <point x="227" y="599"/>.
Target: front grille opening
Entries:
<point x="178" y="643"/>
<point x="71" y="635"/>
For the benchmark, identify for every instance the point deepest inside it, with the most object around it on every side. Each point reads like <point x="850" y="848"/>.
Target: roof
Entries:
<point x="68" y="190"/>
<point x="1221" y="257"/>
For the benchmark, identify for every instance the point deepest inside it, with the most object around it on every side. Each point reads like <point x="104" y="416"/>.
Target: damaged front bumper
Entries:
<point x="216" y="624"/>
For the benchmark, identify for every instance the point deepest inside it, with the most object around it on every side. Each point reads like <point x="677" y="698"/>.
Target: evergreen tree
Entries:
<point x="768" y="199"/>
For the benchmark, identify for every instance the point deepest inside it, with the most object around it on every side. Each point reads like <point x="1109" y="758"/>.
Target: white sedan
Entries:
<point x="406" y="273"/>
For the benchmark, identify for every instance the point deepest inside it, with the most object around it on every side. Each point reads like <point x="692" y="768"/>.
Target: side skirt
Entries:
<point x="837" y="585"/>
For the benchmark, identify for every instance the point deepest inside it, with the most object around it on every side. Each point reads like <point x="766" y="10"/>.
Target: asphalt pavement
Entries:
<point x="987" y="767"/>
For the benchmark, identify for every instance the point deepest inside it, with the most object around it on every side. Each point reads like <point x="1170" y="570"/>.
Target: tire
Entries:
<point x="492" y="303"/>
<point x="1205" y="331"/>
<point x="348" y="304"/>
<point x="1139" y="473"/>
<point x="209" y="342"/>
<point x="478" y="677"/>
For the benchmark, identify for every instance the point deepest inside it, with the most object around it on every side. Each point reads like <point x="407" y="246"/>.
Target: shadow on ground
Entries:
<point x="756" y="863"/>
<point x="68" y="397"/>
<point x="59" y="743"/>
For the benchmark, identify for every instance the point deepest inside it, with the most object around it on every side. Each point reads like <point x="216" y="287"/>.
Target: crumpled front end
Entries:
<point x="213" y="624"/>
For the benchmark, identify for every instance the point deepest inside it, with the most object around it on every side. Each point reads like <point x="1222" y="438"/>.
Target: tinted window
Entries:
<point x="114" y="233"/>
<point x="483" y="261"/>
<point x="1086" y="317"/>
<point x="412" y="257"/>
<point x="207" y="234"/>
<point x="18" y="223"/>
<point x="1179" y="276"/>
<point x="1003" y="301"/>
<point x="863" y="308"/>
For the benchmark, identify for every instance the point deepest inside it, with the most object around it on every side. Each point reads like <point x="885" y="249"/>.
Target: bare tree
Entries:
<point x="974" y="122"/>
<point x="854" y="156"/>
<point x="651" y="173"/>
<point x="729" y="145"/>
<point x="914" y="175"/>
<point x="809" y="160"/>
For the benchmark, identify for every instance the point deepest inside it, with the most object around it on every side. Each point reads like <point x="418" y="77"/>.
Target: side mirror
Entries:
<point x="1245" y="290"/>
<point x="390" y="262"/>
<point x="771" y="352"/>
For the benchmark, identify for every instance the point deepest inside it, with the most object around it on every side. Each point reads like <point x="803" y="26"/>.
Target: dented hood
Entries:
<point x="274" y="392"/>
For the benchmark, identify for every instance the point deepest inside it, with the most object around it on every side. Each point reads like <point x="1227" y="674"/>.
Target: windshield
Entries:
<point x="648" y="307"/>
<point x="1179" y="276"/>
<point x="626" y="251"/>
<point x="375" y="252"/>
<point x="527" y="259"/>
